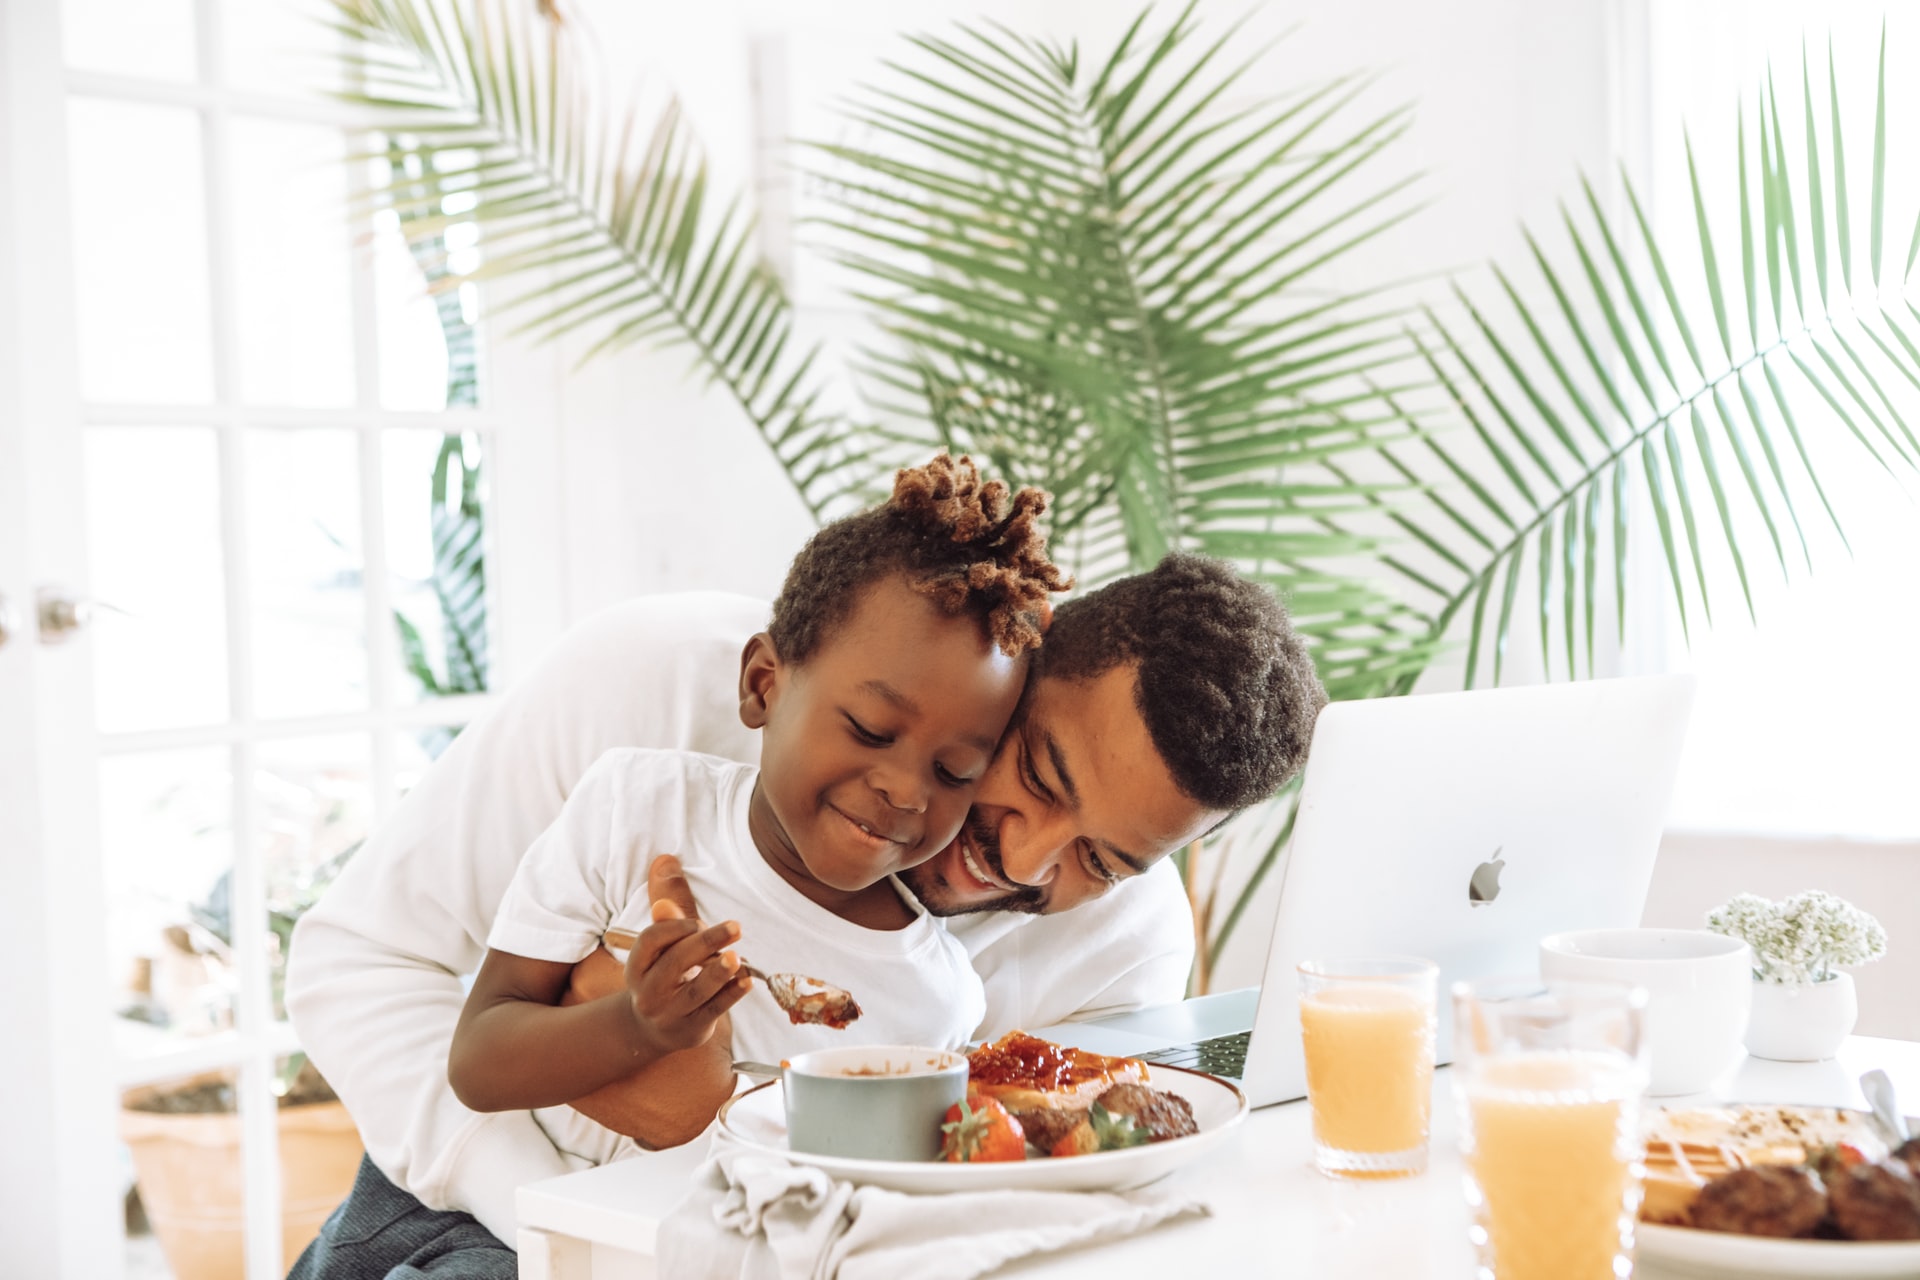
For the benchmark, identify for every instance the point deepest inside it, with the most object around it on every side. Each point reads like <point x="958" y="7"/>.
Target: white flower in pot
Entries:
<point x="1803" y="1005"/>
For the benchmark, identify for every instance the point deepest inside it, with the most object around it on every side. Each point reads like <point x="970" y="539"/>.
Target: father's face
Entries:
<point x="1076" y="800"/>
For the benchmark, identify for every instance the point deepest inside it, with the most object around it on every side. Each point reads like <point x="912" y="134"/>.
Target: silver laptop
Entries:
<point x="1462" y="827"/>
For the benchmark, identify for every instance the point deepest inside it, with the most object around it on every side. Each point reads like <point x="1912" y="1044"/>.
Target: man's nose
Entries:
<point x="1031" y="848"/>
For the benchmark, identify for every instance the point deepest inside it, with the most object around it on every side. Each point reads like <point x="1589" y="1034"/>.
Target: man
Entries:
<point x="1160" y="705"/>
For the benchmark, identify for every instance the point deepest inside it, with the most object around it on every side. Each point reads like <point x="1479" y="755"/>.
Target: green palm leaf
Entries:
<point x="1091" y="276"/>
<point x="611" y="236"/>
<point x="1724" y="465"/>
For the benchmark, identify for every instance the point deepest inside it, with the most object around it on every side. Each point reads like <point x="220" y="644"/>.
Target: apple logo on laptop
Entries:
<point x="1484" y="885"/>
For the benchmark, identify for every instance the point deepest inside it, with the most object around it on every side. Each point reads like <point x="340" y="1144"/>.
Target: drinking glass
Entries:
<point x="1549" y="1079"/>
<point x="1366" y="1025"/>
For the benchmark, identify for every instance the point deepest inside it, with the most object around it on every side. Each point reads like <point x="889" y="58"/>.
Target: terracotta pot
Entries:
<point x="1802" y="1021"/>
<point x="188" y="1168"/>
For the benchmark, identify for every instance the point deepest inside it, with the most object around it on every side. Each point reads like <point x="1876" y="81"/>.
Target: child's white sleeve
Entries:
<point x="568" y="888"/>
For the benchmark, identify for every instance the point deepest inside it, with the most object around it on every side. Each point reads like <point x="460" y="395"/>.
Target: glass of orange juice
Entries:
<point x="1366" y="1025"/>
<point x="1549" y="1079"/>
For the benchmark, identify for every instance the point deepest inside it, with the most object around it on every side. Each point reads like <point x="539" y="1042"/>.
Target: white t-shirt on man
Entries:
<point x="374" y="977"/>
<point x="588" y="873"/>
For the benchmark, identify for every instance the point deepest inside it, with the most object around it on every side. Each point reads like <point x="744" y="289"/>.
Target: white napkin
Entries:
<point x="758" y="1217"/>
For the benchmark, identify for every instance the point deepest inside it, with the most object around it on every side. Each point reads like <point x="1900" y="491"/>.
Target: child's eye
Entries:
<point x="950" y="778"/>
<point x="866" y="735"/>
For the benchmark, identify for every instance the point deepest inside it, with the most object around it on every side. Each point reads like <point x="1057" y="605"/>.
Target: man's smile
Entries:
<point x="976" y="867"/>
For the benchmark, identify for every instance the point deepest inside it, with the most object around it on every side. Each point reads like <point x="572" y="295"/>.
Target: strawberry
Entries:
<point x="1101" y="1130"/>
<point x="980" y="1129"/>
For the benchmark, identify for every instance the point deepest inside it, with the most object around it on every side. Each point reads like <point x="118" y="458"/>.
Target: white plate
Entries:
<point x="1716" y="1253"/>
<point x="758" y="1119"/>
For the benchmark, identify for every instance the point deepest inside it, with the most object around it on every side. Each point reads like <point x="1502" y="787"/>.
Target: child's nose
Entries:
<point x="901" y="790"/>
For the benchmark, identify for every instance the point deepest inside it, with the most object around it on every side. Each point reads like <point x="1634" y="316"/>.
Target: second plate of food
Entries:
<point x="757" y="1119"/>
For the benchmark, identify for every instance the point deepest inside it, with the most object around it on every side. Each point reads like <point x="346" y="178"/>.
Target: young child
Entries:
<point x="895" y="658"/>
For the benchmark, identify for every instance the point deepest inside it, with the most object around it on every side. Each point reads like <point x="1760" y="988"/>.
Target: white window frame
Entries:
<point x="520" y="422"/>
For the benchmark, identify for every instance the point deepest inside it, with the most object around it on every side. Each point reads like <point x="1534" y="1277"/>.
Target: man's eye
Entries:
<point x="1031" y="777"/>
<point x="865" y="734"/>
<point x="1100" y="868"/>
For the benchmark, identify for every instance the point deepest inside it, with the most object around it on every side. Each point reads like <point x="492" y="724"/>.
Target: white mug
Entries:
<point x="1699" y="993"/>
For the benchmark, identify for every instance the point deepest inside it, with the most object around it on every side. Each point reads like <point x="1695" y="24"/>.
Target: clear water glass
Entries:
<point x="1549" y="1079"/>
<point x="1366" y="1027"/>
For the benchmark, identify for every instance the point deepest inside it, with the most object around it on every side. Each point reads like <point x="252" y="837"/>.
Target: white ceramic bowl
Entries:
<point x="1699" y="991"/>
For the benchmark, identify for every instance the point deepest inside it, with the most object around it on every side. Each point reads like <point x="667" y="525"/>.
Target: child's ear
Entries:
<point x="759" y="673"/>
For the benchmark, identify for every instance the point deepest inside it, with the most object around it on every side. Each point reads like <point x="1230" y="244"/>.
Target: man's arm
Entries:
<point x="374" y="977"/>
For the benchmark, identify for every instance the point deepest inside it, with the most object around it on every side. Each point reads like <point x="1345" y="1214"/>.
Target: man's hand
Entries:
<point x="673" y="1100"/>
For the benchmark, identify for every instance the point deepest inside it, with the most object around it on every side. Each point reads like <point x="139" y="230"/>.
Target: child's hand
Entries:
<point x="680" y="980"/>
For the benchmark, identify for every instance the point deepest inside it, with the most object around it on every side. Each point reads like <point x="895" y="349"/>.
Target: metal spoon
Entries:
<point x="804" y="999"/>
<point x="1886" y="1114"/>
<point x="759" y="1070"/>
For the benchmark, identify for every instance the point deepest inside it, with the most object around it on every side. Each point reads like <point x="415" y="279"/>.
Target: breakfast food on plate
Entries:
<point x="1688" y="1148"/>
<point x="1781" y="1171"/>
<point x="1027" y="1073"/>
<point x="1909" y="1153"/>
<point x="979" y="1129"/>
<point x="1768" y="1200"/>
<point x="1068" y="1101"/>
<point x="1875" y="1202"/>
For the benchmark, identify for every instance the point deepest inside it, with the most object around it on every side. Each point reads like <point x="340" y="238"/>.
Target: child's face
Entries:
<point x="873" y="745"/>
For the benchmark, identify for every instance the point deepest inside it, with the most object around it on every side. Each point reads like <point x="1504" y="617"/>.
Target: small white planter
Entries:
<point x="1801" y="1021"/>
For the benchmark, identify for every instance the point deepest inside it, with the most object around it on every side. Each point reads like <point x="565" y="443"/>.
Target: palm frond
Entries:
<point x="1606" y="379"/>
<point x="1090" y="274"/>
<point x="614" y="232"/>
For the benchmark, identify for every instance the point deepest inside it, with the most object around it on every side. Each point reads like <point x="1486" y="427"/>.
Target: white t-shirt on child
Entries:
<point x="588" y="873"/>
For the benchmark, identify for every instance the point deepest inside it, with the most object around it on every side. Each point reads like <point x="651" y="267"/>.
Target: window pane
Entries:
<point x="280" y="47"/>
<point x="150" y="38"/>
<point x="292" y="264"/>
<point x="428" y="347"/>
<point x="140" y="255"/>
<point x="305" y="567"/>
<point x="166" y="827"/>
<point x="436" y="504"/>
<point x="315" y="803"/>
<point x="153" y="524"/>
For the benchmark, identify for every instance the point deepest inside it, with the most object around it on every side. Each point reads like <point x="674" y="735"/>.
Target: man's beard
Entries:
<point x="926" y="883"/>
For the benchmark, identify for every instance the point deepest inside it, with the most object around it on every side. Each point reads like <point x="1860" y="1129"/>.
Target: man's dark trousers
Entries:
<point x="380" y="1232"/>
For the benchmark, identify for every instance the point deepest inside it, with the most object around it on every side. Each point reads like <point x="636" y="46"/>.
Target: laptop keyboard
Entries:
<point x="1220" y="1056"/>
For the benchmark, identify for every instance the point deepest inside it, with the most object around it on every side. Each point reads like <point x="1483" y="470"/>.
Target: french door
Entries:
<point x="274" y="519"/>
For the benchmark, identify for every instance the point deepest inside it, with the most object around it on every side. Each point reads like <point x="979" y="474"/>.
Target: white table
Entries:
<point x="1269" y="1207"/>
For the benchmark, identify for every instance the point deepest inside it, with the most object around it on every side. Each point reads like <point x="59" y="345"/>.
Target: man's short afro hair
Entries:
<point x="1226" y="687"/>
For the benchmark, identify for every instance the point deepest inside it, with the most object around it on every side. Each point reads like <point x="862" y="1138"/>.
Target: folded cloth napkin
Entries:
<point x="758" y="1217"/>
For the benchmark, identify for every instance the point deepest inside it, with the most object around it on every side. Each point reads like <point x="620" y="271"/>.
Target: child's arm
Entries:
<point x="515" y="1048"/>
<point x="673" y="1100"/>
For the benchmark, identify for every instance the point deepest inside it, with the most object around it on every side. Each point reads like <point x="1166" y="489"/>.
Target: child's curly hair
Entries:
<point x="960" y="541"/>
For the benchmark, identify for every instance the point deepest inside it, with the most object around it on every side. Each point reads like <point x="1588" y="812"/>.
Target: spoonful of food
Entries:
<point x="805" y="1000"/>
